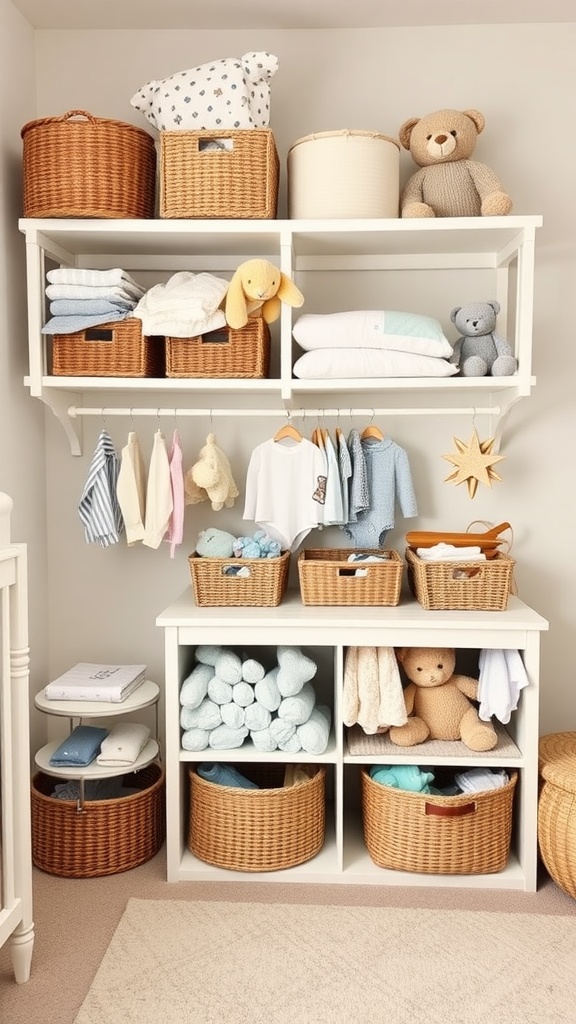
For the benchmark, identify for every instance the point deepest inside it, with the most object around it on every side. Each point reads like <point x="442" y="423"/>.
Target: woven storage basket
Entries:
<point x="485" y="586"/>
<point x="221" y="353"/>
<point x="344" y="174"/>
<point x="239" y="181"/>
<point x="327" y="577"/>
<point x="264" y="587"/>
<point x="106" y="836"/>
<point x="557" y="808"/>
<point x="116" y="349"/>
<point x="440" y="835"/>
<point x="264" y="829"/>
<point x="78" y="165"/>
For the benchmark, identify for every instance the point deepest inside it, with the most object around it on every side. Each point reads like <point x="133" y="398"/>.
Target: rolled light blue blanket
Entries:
<point x="79" y="748"/>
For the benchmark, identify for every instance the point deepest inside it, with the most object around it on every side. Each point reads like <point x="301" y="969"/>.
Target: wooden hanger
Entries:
<point x="288" y="431"/>
<point x="372" y="431"/>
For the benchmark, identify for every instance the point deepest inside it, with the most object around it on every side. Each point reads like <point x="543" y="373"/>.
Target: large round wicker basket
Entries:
<point x="103" y="837"/>
<point x="263" y="829"/>
<point x="557" y="808"/>
<point x="468" y="834"/>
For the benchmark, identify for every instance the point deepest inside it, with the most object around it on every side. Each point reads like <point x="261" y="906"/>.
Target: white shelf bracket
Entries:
<point x="59" y="403"/>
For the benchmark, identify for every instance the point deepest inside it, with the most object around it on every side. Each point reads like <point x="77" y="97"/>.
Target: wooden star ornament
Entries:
<point x="474" y="463"/>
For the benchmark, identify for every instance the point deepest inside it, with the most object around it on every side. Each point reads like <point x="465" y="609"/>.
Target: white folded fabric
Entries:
<point x="124" y="291"/>
<point x="80" y="275"/>
<point x="123" y="744"/>
<point x="451" y="553"/>
<point x="186" y="306"/>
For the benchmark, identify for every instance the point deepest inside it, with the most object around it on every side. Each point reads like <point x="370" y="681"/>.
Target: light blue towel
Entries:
<point x="224" y="775"/>
<point x="72" y="324"/>
<point x="80" y="747"/>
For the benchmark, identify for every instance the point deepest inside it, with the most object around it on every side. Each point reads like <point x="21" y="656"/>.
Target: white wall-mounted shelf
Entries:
<point x="500" y="247"/>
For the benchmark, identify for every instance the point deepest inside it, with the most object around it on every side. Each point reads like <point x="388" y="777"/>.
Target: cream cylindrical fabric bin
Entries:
<point x="344" y="174"/>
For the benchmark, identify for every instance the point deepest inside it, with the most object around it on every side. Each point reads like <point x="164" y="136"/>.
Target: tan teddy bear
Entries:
<point x="438" y="703"/>
<point x="448" y="183"/>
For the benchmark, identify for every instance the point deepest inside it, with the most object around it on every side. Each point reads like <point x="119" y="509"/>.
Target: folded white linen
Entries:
<point x="82" y="275"/>
<point x="186" y="306"/>
<point x="366" y="328"/>
<point x="123" y="744"/>
<point x="451" y="553"/>
<point x="353" y="363"/>
<point x="124" y="291"/>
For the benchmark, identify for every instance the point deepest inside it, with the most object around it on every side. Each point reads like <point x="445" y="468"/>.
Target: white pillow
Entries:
<point x="404" y="332"/>
<point x="233" y="92"/>
<point x="369" y="362"/>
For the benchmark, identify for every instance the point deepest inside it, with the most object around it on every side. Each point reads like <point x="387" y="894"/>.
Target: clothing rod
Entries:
<point x="74" y="411"/>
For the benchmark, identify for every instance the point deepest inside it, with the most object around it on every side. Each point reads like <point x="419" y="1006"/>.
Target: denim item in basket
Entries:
<point x="224" y="775"/>
<point x="80" y="747"/>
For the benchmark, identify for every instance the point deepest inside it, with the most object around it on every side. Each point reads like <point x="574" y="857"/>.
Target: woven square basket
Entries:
<point x="106" y="836"/>
<point x="216" y="586"/>
<point x="265" y="829"/>
<point x="474" y="586"/>
<point x="222" y="353"/>
<point x="328" y="578"/>
<point x="115" y="349"/>
<point x="78" y="165"/>
<point x="226" y="174"/>
<point x="467" y="834"/>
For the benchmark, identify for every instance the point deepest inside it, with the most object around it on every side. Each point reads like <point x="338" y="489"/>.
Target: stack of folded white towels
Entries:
<point x="81" y="298"/>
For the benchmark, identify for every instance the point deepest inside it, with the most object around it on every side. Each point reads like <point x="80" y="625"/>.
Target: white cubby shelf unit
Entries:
<point x="324" y="633"/>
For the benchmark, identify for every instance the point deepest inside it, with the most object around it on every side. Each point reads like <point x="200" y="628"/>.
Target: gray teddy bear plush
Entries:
<point x="480" y="351"/>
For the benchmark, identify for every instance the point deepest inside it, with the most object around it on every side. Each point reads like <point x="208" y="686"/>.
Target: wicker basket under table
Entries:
<point x="115" y="349"/>
<point x="105" y="837"/>
<point x="263" y="829"/>
<point x="443" y="835"/>
<point x="557" y="808"/>
<point x="328" y="578"/>
<point x="78" y="165"/>
<point x="237" y="181"/>
<point x="222" y="353"/>
<point x="467" y="585"/>
<point x="264" y="587"/>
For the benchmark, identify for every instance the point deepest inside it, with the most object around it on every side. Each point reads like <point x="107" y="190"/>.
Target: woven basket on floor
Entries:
<point x="474" y="586"/>
<point x="328" y="578"/>
<point x="441" y="835"/>
<point x="557" y="808"/>
<point x="214" y="586"/>
<point x="222" y="353"/>
<point x="238" y="181"/>
<point x="78" y="165"/>
<point x="105" y="837"/>
<point x="116" y="349"/>
<point x="264" y="829"/>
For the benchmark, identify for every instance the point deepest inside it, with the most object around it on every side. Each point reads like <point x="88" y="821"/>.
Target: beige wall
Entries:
<point x="22" y="454"/>
<point x="103" y="604"/>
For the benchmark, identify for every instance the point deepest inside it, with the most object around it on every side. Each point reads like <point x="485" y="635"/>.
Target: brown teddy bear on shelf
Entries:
<point x="449" y="183"/>
<point x="438" y="702"/>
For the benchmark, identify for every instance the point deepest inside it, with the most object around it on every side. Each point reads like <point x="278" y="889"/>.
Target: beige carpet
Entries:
<point x="181" y="962"/>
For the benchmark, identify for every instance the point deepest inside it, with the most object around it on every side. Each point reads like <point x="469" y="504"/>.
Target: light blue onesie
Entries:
<point x="389" y="480"/>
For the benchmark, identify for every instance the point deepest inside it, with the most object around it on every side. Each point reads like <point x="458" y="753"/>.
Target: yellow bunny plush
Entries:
<point x="258" y="287"/>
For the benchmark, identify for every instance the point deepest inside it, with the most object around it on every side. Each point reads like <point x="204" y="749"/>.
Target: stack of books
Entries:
<point x="86" y="681"/>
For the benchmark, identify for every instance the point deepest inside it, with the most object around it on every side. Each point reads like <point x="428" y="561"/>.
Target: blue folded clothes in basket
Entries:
<point x="80" y="747"/>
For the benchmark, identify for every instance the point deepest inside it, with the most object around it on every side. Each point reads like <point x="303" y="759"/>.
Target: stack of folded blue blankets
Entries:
<point x="228" y="698"/>
<point x="81" y="298"/>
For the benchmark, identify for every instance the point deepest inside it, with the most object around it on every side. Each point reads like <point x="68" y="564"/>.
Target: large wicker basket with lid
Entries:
<point x="557" y="808"/>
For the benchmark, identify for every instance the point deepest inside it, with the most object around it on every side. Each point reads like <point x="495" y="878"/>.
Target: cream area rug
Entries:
<point x="176" y="962"/>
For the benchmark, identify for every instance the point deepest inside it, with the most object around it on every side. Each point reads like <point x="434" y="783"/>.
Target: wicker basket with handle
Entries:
<point x="78" y="165"/>
<point x="468" y="834"/>
<point x="224" y="353"/>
